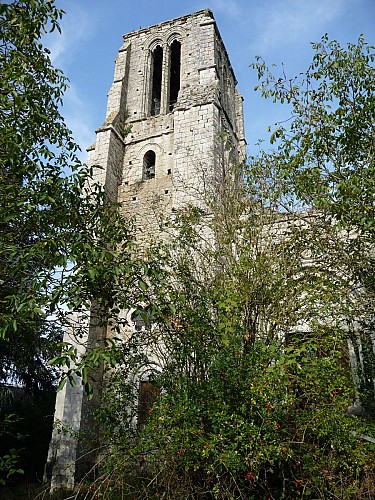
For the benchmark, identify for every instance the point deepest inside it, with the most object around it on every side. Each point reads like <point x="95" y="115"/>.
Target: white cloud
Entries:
<point x="77" y="117"/>
<point x="286" y="21"/>
<point x="77" y="27"/>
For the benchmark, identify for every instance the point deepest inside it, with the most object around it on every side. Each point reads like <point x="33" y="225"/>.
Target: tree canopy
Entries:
<point x="326" y="148"/>
<point x="63" y="243"/>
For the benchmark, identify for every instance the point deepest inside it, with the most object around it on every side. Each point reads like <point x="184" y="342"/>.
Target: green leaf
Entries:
<point x="142" y="285"/>
<point x="61" y="384"/>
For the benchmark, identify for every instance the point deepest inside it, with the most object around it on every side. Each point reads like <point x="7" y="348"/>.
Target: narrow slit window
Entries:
<point x="157" y="69"/>
<point x="175" y="72"/>
<point x="149" y="161"/>
<point x="225" y="89"/>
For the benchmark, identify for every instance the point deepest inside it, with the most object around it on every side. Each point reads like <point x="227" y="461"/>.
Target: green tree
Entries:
<point x="247" y="343"/>
<point x="31" y="182"/>
<point x="65" y="250"/>
<point x="326" y="149"/>
<point x="63" y="243"/>
<point x="325" y="155"/>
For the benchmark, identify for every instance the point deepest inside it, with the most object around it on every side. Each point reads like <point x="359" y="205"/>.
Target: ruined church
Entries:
<point x="172" y="101"/>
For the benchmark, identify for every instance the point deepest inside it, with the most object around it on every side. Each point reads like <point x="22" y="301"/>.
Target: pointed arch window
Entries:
<point x="164" y="80"/>
<point x="157" y="72"/>
<point x="174" y="73"/>
<point x="149" y="161"/>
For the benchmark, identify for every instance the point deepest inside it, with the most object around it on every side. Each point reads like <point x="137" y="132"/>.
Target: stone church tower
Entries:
<point x="174" y="120"/>
<point x="172" y="105"/>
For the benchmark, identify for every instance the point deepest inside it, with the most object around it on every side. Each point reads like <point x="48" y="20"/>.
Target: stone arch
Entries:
<point x="149" y="156"/>
<point x="163" y="73"/>
<point x="174" y="73"/>
<point x="150" y="46"/>
<point x="156" y="65"/>
<point x="175" y="36"/>
<point x="149" y="163"/>
<point x="154" y="43"/>
<point x="174" y="60"/>
<point x="150" y="145"/>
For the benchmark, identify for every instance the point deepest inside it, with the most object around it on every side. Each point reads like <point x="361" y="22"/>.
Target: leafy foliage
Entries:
<point x="32" y="186"/>
<point x="9" y="461"/>
<point x="327" y="151"/>
<point x="324" y="158"/>
<point x="63" y="244"/>
<point x="248" y="347"/>
<point x="248" y="338"/>
<point x="241" y="323"/>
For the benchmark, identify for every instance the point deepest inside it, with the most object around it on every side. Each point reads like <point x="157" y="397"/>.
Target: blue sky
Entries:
<point x="281" y="31"/>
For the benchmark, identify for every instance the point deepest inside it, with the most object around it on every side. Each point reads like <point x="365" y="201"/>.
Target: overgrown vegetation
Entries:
<point x="265" y="298"/>
<point x="246" y="320"/>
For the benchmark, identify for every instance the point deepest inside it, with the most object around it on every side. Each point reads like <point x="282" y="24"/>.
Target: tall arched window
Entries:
<point x="174" y="74"/>
<point x="157" y="70"/>
<point x="149" y="161"/>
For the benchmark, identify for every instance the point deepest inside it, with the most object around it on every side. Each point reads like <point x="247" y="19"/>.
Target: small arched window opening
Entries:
<point x="175" y="71"/>
<point x="149" y="161"/>
<point x="157" y="70"/>
<point x="148" y="394"/>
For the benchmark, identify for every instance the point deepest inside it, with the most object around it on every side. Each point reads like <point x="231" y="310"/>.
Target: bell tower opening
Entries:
<point x="175" y="72"/>
<point x="157" y="70"/>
